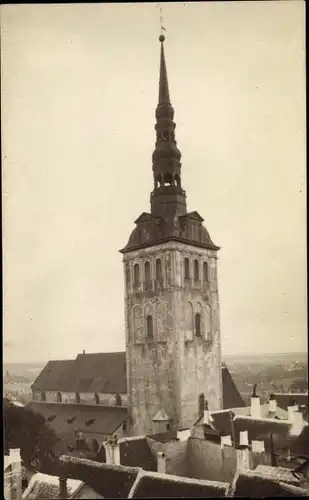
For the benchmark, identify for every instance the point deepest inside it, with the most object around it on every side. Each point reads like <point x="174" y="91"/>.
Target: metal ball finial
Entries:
<point x="161" y="38"/>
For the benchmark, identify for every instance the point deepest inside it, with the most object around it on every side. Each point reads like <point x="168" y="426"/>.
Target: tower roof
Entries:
<point x="169" y="219"/>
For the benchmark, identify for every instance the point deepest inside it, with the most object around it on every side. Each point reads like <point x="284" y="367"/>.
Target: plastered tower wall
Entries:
<point x="171" y="370"/>
<point x="171" y="296"/>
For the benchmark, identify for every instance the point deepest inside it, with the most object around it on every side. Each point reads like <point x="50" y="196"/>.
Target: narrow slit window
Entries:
<point x="58" y="397"/>
<point x="205" y="271"/>
<point x="147" y="271"/>
<point x="196" y="270"/>
<point x="149" y="327"/>
<point x="136" y="275"/>
<point x="198" y="325"/>
<point x="187" y="269"/>
<point x="96" y="399"/>
<point x="158" y="270"/>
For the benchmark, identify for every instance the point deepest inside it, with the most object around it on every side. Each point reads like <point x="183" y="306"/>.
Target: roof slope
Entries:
<point x="53" y="377"/>
<point x="284" y="399"/>
<point x="231" y="395"/>
<point x="98" y="372"/>
<point x="92" y="419"/>
<point x="110" y="481"/>
<point x="136" y="453"/>
<point x="156" y="485"/>
<point x="45" y="487"/>
<point x="251" y="484"/>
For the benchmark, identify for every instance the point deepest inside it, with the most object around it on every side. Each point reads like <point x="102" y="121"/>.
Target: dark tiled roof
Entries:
<point x="106" y="373"/>
<point x="156" y="485"/>
<point x="45" y="487"/>
<point x="53" y="376"/>
<point x="259" y="428"/>
<point x="110" y="481"/>
<point x="231" y="395"/>
<point x="106" y="420"/>
<point x="136" y="453"/>
<point x="250" y="484"/>
<point x="98" y="372"/>
<point x="284" y="399"/>
<point x="164" y="437"/>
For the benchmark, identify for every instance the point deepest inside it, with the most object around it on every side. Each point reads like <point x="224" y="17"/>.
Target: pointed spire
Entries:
<point x="164" y="95"/>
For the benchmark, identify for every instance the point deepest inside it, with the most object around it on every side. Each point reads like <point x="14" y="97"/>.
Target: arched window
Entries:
<point x="96" y="399"/>
<point x="117" y="400"/>
<point x="158" y="181"/>
<point x="187" y="268"/>
<point x="77" y="398"/>
<point x="205" y="272"/>
<point x="196" y="270"/>
<point x="136" y="275"/>
<point x="198" y="325"/>
<point x="165" y="135"/>
<point x="149" y="323"/>
<point x="177" y="180"/>
<point x="147" y="271"/>
<point x="58" y="397"/>
<point x="158" y="270"/>
<point x="168" y="180"/>
<point x="43" y="396"/>
<point x="201" y="404"/>
<point x="127" y="271"/>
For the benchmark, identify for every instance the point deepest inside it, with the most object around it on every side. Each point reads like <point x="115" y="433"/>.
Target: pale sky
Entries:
<point x="79" y="91"/>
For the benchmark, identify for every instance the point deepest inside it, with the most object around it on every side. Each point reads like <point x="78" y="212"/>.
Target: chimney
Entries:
<point x="63" y="491"/>
<point x="112" y="450"/>
<point x="297" y="423"/>
<point x="255" y="404"/>
<point x="16" y="473"/>
<point x="292" y="408"/>
<point x="272" y="404"/>
<point x="207" y="416"/>
<point x="242" y="458"/>
<point x="243" y="438"/>
<point x="161" y="462"/>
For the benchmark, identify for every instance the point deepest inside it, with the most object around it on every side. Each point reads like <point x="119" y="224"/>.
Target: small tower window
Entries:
<point x="96" y="399"/>
<point x="147" y="271"/>
<point x="177" y="180"/>
<point x="198" y="325"/>
<point x="168" y="180"/>
<point x="77" y="398"/>
<point x="165" y="135"/>
<point x="158" y="181"/>
<point x="149" y="323"/>
<point x="158" y="270"/>
<point x="201" y="404"/>
<point x="187" y="269"/>
<point x="43" y="396"/>
<point x="117" y="400"/>
<point x="136" y="275"/>
<point x="58" y="397"/>
<point x="127" y="271"/>
<point x="173" y="136"/>
<point x="196" y="270"/>
<point x="205" y="272"/>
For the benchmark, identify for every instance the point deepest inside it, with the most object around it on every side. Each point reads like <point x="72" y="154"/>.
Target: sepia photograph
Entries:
<point x="154" y="250"/>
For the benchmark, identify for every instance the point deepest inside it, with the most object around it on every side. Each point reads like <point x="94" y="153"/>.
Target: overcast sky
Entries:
<point x="79" y="91"/>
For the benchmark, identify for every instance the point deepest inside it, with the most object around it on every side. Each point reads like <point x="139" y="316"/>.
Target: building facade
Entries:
<point x="173" y="345"/>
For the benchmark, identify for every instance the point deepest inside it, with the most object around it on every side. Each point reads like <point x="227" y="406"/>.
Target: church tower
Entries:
<point x="172" y="319"/>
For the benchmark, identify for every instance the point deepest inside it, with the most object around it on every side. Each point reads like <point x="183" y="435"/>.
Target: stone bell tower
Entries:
<point x="171" y="296"/>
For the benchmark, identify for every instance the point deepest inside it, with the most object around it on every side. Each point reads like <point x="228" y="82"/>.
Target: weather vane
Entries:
<point x="161" y="20"/>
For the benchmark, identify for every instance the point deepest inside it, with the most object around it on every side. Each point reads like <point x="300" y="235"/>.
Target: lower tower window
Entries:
<point x="198" y="325"/>
<point x="149" y="323"/>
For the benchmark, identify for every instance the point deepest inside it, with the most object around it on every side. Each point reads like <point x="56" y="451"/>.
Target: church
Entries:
<point x="172" y="365"/>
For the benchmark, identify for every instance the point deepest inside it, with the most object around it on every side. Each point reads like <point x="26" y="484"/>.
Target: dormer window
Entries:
<point x="59" y="397"/>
